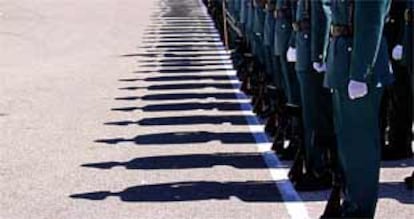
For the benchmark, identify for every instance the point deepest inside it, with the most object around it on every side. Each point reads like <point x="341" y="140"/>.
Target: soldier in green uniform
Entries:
<point x="357" y="71"/>
<point x="249" y="21"/>
<point x="275" y="89"/>
<point x="251" y="40"/>
<point x="397" y="105"/>
<point x="408" y="56"/>
<point x="243" y="15"/>
<point x="258" y="28"/>
<point x="233" y="9"/>
<point x="236" y="8"/>
<point x="258" y="48"/>
<point x="274" y="85"/>
<point x="268" y="36"/>
<point x="284" y="37"/>
<point x="246" y="26"/>
<point x="317" y="116"/>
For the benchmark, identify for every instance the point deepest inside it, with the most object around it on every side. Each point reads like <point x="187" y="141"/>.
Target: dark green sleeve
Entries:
<point x="320" y="30"/>
<point x="369" y="18"/>
<point x="293" y="9"/>
<point x="292" y="39"/>
<point x="408" y="41"/>
<point x="401" y="23"/>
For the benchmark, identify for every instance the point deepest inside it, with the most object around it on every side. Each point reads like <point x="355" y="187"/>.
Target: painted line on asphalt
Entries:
<point x="292" y="201"/>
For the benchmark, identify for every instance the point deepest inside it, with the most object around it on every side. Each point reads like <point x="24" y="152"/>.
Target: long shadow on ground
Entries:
<point x="188" y="138"/>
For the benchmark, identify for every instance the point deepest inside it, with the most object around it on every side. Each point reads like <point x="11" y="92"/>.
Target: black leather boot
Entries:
<point x="333" y="207"/>
<point x="296" y="172"/>
<point x="313" y="182"/>
<point x="280" y="133"/>
<point x="409" y="182"/>
<point x="271" y="125"/>
<point x="273" y="98"/>
<point x="278" y="143"/>
<point x="395" y="153"/>
<point x="291" y="150"/>
<point x="294" y="133"/>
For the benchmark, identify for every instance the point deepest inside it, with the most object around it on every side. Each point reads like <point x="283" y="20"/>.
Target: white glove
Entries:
<point x="291" y="55"/>
<point x="319" y="67"/>
<point x="397" y="52"/>
<point x="357" y="89"/>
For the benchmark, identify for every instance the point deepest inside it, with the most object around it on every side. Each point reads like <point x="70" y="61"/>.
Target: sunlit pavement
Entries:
<point x="130" y="109"/>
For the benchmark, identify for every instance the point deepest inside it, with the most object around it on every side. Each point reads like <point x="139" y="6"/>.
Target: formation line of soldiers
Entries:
<point x="334" y="78"/>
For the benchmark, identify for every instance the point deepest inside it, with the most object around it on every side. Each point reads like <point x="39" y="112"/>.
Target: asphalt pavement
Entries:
<point x="131" y="109"/>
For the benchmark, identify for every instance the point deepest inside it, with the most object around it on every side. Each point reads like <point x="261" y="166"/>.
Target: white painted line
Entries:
<point x="181" y="27"/>
<point x="159" y="58"/>
<point x="292" y="200"/>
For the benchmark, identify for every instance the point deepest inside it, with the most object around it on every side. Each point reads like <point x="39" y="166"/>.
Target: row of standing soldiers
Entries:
<point x="334" y="78"/>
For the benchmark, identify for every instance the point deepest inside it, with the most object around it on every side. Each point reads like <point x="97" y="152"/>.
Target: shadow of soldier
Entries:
<point x="252" y="191"/>
<point x="189" y="161"/>
<point x="178" y="60"/>
<point x="183" y="96"/>
<point x="184" y="86"/>
<point x="192" y="70"/>
<point x="189" y="106"/>
<point x="184" y="78"/>
<point x="189" y="138"/>
<point x="185" y="120"/>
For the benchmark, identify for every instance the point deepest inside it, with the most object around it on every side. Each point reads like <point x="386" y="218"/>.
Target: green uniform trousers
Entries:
<point x="357" y="129"/>
<point x="283" y="33"/>
<point x="317" y="119"/>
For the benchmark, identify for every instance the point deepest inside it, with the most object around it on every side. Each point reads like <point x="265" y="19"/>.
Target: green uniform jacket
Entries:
<point x="243" y="13"/>
<point x="408" y="46"/>
<point x="303" y="37"/>
<point x="269" y="27"/>
<point x="362" y="57"/>
<point x="259" y="19"/>
<point x="283" y="28"/>
<point x="320" y="22"/>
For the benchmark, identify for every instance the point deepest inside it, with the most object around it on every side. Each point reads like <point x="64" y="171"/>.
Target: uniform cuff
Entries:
<point x="317" y="58"/>
<point x="358" y="77"/>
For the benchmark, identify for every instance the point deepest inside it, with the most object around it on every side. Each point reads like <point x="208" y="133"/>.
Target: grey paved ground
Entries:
<point x="99" y="118"/>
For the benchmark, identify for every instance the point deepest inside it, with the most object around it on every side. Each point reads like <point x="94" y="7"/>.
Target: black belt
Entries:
<point x="409" y="15"/>
<point x="281" y="13"/>
<point x="301" y="26"/>
<point x="270" y="7"/>
<point x="341" y="31"/>
<point x="258" y="4"/>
